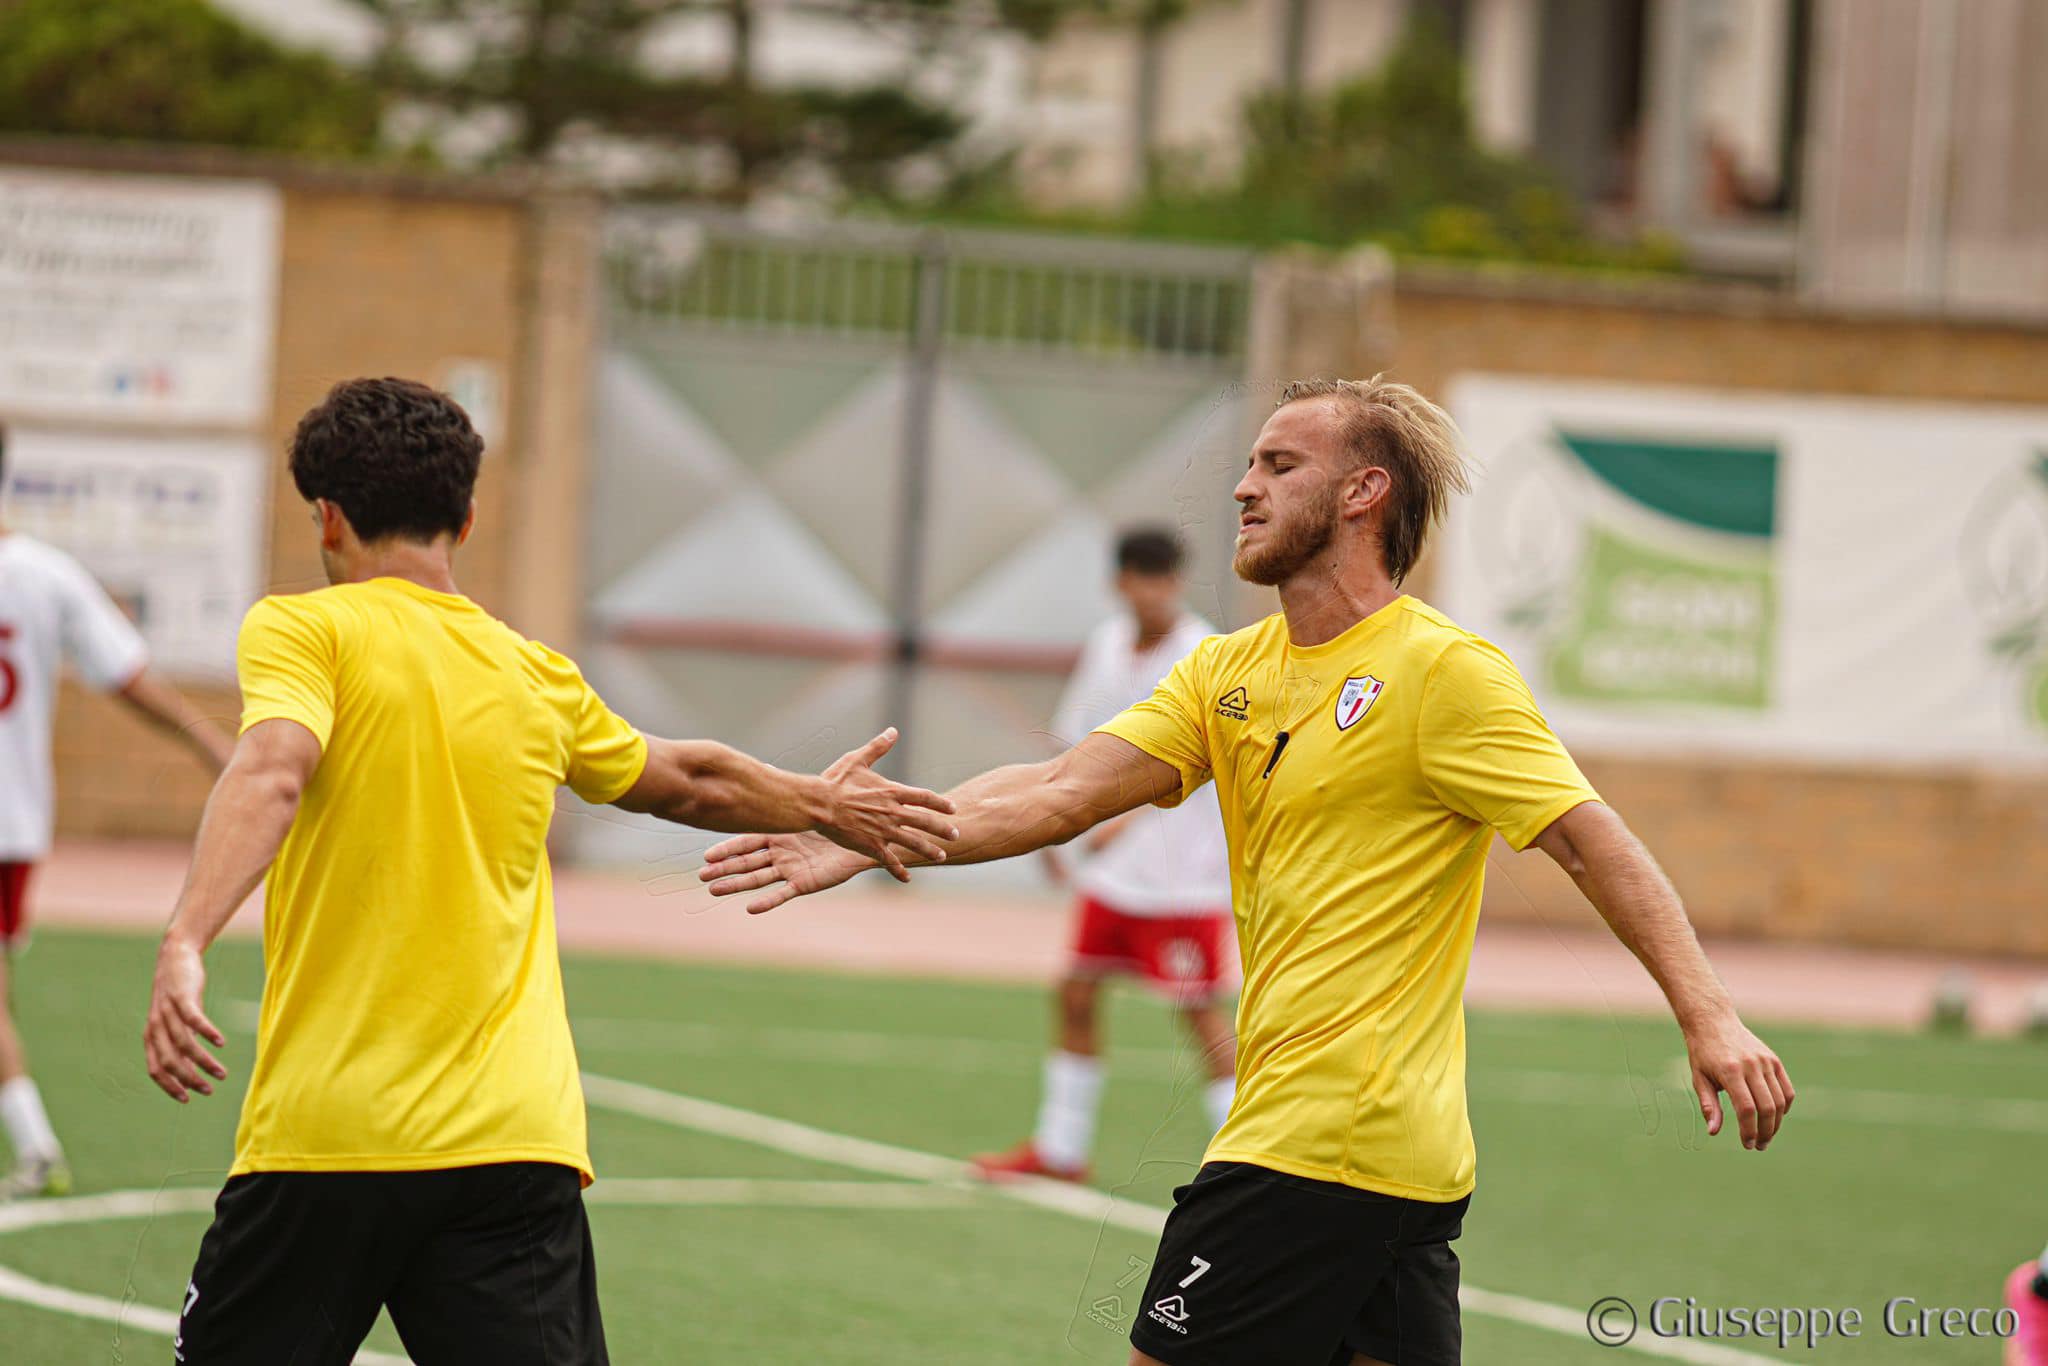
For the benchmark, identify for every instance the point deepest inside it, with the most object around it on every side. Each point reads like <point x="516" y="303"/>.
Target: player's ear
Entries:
<point x="468" y="523"/>
<point x="333" y="524"/>
<point x="1364" y="490"/>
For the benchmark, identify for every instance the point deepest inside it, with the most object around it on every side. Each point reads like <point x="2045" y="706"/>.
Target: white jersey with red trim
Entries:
<point x="1171" y="861"/>
<point x="50" y="610"/>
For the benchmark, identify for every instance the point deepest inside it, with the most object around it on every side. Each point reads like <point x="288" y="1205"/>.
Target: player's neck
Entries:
<point x="429" y="566"/>
<point x="1324" y="601"/>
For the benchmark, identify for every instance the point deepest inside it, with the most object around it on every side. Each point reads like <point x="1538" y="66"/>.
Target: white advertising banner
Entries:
<point x="173" y="526"/>
<point x="1771" y="574"/>
<point x="136" y="298"/>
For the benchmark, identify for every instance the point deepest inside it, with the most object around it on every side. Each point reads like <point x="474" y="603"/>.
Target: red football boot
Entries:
<point x="1020" y="1162"/>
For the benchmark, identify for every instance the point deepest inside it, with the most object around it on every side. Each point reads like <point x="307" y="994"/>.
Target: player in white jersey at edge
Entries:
<point x="1153" y="894"/>
<point x="52" y="610"/>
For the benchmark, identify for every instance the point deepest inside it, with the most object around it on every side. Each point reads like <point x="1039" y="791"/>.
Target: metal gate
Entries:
<point x="848" y="476"/>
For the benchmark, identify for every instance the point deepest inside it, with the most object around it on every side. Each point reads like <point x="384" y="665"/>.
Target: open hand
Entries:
<point x="1725" y="1056"/>
<point x="788" y="866"/>
<point x="178" y="1061"/>
<point x="871" y="815"/>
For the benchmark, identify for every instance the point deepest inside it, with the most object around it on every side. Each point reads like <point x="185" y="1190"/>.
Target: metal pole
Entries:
<point x="920" y="396"/>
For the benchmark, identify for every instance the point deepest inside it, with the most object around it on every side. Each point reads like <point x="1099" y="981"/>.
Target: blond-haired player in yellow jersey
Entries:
<point x="1365" y="750"/>
<point x="413" y="1134"/>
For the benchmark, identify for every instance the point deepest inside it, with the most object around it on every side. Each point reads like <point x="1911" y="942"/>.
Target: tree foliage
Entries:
<point x="1389" y="157"/>
<point x="173" y="71"/>
<point x="570" y="71"/>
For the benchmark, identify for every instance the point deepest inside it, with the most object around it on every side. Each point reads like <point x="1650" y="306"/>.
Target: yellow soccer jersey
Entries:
<point x="1356" y="861"/>
<point x="412" y="998"/>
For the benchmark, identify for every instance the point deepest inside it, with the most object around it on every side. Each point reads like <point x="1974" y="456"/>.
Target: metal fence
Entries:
<point x="863" y="474"/>
<point x="1095" y="297"/>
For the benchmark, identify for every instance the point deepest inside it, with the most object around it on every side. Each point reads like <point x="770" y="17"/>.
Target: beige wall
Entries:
<point x="397" y="276"/>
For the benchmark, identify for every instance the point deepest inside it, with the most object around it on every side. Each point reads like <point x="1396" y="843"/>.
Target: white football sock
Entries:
<point x="1216" y="1097"/>
<point x="28" y="1127"/>
<point x="1066" y="1114"/>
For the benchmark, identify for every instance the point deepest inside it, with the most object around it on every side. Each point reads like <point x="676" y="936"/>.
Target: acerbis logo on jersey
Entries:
<point x="1234" y="704"/>
<point x="1355" y="699"/>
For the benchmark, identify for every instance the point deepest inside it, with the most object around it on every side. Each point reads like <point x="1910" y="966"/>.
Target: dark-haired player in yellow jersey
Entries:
<point x="413" y="1134"/>
<point x="1365" y="750"/>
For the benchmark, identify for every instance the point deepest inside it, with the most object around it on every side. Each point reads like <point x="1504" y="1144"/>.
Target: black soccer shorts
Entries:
<point x="477" y="1264"/>
<point x="1259" y="1268"/>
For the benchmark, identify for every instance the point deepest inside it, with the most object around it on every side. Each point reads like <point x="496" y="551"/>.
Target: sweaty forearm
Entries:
<point x="719" y="788"/>
<point x="246" y="820"/>
<point x="1014" y="810"/>
<point x="1619" y="876"/>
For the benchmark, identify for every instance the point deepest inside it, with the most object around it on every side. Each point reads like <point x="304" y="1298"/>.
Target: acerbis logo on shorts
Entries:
<point x="1171" y="1311"/>
<point x="1234" y="704"/>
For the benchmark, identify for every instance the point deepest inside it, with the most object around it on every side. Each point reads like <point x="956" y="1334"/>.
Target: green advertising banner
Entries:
<point x="1766" y="572"/>
<point x="1676" y="599"/>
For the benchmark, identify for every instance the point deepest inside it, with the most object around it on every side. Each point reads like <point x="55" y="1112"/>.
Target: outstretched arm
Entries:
<point x="247" y="817"/>
<point x="1000" y="814"/>
<point x="166" y="708"/>
<point x="1641" y="906"/>
<point x="715" y="787"/>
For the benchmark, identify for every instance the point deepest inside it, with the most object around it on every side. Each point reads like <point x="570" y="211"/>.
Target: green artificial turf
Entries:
<point x="1907" y="1169"/>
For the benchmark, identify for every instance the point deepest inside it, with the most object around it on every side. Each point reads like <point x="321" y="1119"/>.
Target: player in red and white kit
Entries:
<point x="51" y="610"/>
<point x="1153" y="890"/>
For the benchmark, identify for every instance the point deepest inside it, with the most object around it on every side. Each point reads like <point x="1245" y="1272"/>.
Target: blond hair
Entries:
<point x="1393" y="426"/>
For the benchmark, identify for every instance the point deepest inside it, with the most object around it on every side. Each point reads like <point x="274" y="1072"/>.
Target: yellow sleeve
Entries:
<point x="1486" y="750"/>
<point x="606" y="755"/>
<point x="285" y="661"/>
<point x="1168" y="725"/>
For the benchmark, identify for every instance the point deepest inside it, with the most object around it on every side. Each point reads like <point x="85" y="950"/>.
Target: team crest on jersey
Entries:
<point x="1355" y="699"/>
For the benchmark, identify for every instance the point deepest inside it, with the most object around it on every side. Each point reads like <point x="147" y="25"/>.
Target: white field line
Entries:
<point x="156" y="1322"/>
<point x="923" y="1052"/>
<point x="704" y="1193"/>
<point x="1080" y="1202"/>
<point x="755" y="1193"/>
<point x="1536" y="1086"/>
<point x="89" y="1209"/>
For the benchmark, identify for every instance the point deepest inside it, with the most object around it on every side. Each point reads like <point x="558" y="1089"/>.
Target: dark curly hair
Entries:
<point x="398" y="458"/>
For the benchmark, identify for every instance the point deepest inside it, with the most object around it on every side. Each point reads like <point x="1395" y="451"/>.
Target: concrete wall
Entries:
<point x="384" y="275"/>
